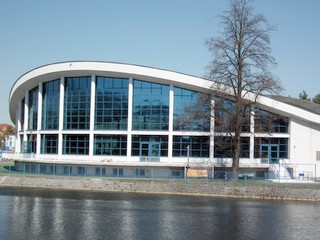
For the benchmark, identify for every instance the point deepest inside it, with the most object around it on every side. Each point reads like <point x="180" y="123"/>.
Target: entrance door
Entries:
<point x="150" y="151"/>
<point x="270" y="151"/>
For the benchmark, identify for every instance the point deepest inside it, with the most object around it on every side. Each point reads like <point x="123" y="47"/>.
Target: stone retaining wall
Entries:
<point x="201" y="189"/>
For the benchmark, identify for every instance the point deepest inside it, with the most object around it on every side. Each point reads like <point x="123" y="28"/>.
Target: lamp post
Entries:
<point x="188" y="166"/>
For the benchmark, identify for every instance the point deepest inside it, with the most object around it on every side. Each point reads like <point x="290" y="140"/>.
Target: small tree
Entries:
<point x="304" y="96"/>
<point x="316" y="99"/>
<point x="240" y="66"/>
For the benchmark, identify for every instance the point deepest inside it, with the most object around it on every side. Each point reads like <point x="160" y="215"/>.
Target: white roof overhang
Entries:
<point x="72" y="69"/>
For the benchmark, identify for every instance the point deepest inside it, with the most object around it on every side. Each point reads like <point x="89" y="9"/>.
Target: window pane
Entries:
<point x="77" y="103"/>
<point x="111" y="107"/>
<point x="110" y="145"/>
<point x="150" y="106"/>
<point x="191" y="111"/>
<point x="33" y="109"/>
<point x="50" y="105"/>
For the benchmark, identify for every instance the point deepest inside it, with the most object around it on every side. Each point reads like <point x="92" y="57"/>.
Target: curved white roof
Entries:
<point x="54" y="71"/>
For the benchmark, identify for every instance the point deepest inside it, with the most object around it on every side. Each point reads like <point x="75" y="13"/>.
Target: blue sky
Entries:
<point x="167" y="34"/>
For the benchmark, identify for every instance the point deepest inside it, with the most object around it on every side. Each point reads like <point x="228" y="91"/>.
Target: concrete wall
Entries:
<point x="304" y="143"/>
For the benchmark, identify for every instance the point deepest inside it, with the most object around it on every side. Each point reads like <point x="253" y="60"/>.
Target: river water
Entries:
<point x="60" y="214"/>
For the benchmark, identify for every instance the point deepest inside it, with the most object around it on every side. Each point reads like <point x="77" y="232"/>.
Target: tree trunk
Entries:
<point x="237" y="137"/>
<point x="236" y="155"/>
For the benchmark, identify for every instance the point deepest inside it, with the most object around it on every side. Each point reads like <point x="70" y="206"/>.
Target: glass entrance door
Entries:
<point x="270" y="152"/>
<point x="150" y="151"/>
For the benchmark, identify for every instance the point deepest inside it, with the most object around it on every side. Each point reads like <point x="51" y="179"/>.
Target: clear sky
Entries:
<point x="167" y="34"/>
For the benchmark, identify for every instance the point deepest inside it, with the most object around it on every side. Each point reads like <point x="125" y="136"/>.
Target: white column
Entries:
<point x="212" y="106"/>
<point x="92" y="114"/>
<point x="130" y="109"/>
<point x="40" y="91"/>
<point x="26" y="111"/>
<point x="170" y="136"/>
<point x="61" y="110"/>
<point x="18" y="124"/>
<point x="26" y="119"/>
<point x="252" y="135"/>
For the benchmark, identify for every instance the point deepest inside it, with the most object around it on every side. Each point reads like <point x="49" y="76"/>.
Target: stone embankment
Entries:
<point x="161" y="187"/>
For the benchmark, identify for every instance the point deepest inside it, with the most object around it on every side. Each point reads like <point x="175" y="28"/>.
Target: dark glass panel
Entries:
<point x="266" y="122"/>
<point x="50" y="105"/>
<point x="111" y="110"/>
<point x="111" y="145"/>
<point x="49" y="144"/>
<point x="223" y="147"/>
<point x="198" y="146"/>
<point x="191" y="111"/>
<point x="33" y="109"/>
<point x="75" y="144"/>
<point x="77" y="103"/>
<point x="150" y="106"/>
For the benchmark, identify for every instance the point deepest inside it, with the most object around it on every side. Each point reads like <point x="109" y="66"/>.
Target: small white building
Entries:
<point x="101" y="118"/>
<point x="10" y="143"/>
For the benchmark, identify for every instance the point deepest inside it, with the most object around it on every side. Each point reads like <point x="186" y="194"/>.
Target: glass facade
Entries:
<point x="49" y="143"/>
<point x="149" y="146"/>
<point x="33" y="109"/>
<point x="223" y="147"/>
<point x="77" y="103"/>
<point x="150" y="106"/>
<point x="50" y="105"/>
<point x="273" y="148"/>
<point x="198" y="146"/>
<point x="191" y="111"/>
<point x="76" y="144"/>
<point x="150" y="112"/>
<point x="266" y="122"/>
<point x="111" y="110"/>
<point x="225" y="118"/>
<point x="110" y="145"/>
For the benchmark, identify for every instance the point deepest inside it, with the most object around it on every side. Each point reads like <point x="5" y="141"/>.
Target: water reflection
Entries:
<point x="43" y="214"/>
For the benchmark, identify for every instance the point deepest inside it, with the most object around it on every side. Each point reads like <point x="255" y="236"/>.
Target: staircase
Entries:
<point x="280" y="171"/>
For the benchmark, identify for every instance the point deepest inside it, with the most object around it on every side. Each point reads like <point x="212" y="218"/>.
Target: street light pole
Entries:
<point x="188" y="154"/>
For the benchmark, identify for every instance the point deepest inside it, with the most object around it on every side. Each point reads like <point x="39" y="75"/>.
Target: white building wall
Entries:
<point x="304" y="143"/>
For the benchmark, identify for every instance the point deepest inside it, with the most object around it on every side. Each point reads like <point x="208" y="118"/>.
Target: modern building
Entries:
<point x="113" y="119"/>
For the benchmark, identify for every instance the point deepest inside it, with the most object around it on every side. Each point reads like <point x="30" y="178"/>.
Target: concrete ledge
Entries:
<point x="161" y="187"/>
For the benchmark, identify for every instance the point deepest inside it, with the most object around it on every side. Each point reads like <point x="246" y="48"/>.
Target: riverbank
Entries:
<point x="161" y="187"/>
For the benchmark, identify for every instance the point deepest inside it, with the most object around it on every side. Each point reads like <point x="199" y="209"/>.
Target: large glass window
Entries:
<point x="198" y="146"/>
<point x="271" y="144"/>
<point x="111" y="112"/>
<point x="49" y="144"/>
<point x="266" y="122"/>
<point x="50" y="105"/>
<point x="77" y="103"/>
<point x="150" y="106"/>
<point x="33" y="109"/>
<point x="115" y="145"/>
<point x="223" y="147"/>
<point x="76" y="144"/>
<point x="226" y="117"/>
<point x="150" y="146"/>
<point x="191" y="110"/>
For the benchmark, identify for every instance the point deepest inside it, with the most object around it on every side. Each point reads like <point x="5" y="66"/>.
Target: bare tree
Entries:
<point x="240" y="67"/>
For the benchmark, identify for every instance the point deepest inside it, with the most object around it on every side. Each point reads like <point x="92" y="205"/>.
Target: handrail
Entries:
<point x="275" y="170"/>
